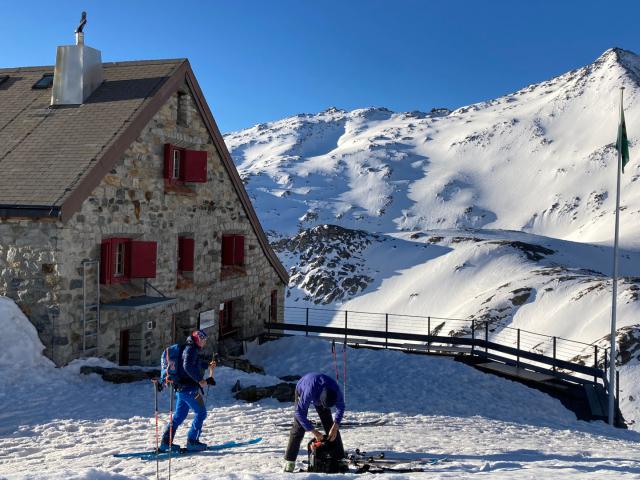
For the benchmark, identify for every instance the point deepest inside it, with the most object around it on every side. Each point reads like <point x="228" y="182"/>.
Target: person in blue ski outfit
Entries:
<point x="189" y="389"/>
<point x="322" y="392"/>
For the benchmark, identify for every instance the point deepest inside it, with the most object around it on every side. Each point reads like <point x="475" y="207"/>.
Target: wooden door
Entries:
<point x="124" y="348"/>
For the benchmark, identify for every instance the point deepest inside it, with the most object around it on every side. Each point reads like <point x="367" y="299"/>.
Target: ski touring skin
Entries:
<point x="152" y="455"/>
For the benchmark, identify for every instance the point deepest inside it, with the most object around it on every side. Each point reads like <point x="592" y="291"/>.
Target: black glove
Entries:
<point x="211" y="381"/>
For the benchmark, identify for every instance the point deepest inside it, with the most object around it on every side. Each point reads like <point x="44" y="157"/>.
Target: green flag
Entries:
<point x="622" y="144"/>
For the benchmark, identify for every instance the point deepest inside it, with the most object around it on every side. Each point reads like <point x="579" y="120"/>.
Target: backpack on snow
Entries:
<point x="324" y="459"/>
<point x="169" y="361"/>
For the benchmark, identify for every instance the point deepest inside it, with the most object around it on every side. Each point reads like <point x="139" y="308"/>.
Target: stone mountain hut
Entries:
<point x="123" y="221"/>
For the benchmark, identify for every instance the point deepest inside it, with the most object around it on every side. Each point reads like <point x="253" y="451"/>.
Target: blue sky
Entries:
<point x="264" y="60"/>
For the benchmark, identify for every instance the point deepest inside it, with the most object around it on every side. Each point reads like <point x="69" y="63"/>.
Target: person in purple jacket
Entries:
<point x="322" y="392"/>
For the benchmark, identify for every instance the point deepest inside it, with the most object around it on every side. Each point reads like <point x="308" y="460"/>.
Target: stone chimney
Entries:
<point x="78" y="71"/>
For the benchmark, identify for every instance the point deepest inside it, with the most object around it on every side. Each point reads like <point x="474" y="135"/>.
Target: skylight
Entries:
<point x="45" y="82"/>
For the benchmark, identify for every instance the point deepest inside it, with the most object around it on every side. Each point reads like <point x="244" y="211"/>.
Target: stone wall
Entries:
<point x="29" y="274"/>
<point x="41" y="262"/>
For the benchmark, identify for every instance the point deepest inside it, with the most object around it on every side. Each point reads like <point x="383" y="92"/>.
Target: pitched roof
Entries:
<point x="45" y="152"/>
<point x="51" y="159"/>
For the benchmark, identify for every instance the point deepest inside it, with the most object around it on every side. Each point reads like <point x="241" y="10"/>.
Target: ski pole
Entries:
<point x="170" y="382"/>
<point x="170" y="423"/>
<point x="344" y="379"/>
<point x="154" y="382"/>
<point x="212" y="366"/>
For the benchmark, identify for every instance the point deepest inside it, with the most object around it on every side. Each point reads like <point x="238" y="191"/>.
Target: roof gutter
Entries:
<point x="29" y="211"/>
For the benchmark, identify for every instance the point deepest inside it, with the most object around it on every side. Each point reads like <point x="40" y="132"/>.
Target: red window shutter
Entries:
<point x="238" y="250"/>
<point x="143" y="259"/>
<point x="106" y="261"/>
<point x="186" y="249"/>
<point x="168" y="160"/>
<point x="227" y="250"/>
<point x="195" y="166"/>
<point x="127" y="260"/>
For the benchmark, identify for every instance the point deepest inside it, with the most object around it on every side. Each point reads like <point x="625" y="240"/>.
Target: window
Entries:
<point x="182" y="165"/>
<point x="186" y="250"/>
<point x="273" y="307"/>
<point x="123" y="259"/>
<point x="226" y="317"/>
<point x="118" y="269"/>
<point x="45" y="82"/>
<point x="232" y="250"/>
<point x="175" y="168"/>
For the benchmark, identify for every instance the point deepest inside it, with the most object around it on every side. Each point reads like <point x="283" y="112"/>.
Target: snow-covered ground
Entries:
<point x="56" y="423"/>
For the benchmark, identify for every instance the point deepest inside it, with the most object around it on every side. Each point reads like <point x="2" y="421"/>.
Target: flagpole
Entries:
<point x="612" y="350"/>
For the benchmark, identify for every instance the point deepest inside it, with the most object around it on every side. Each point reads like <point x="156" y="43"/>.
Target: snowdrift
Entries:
<point x="20" y="346"/>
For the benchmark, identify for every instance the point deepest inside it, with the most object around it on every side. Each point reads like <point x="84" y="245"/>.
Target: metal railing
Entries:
<point x="557" y="356"/>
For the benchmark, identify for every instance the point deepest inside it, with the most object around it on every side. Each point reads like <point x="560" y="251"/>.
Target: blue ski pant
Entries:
<point x="186" y="400"/>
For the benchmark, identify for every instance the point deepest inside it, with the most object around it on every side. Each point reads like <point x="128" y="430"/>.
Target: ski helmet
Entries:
<point x="199" y="336"/>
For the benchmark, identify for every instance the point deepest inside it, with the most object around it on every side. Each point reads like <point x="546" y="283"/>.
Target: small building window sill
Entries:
<point x="228" y="333"/>
<point x="179" y="189"/>
<point x="231" y="271"/>
<point x="183" y="282"/>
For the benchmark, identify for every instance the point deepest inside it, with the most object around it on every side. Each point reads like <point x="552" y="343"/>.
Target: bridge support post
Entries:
<point x="429" y="334"/>
<point x="345" y="327"/>
<point x="386" y="330"/>
<point x="486" y="335"/>
<point x="554" y="354"/>
<point x="617" y="395"/>
<point x="473" y="336"/>
<point x="595" y="363"/>
<point x="518" y="357"/>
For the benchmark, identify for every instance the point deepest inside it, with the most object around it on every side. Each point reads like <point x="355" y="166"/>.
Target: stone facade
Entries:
<point x="41" y="262"/>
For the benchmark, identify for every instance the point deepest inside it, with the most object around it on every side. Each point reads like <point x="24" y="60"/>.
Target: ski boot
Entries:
<point x="195" y="445"/>
<point x="164" y="447"/>
<point x="289" y="467"/>
<point x="166" y="444"/>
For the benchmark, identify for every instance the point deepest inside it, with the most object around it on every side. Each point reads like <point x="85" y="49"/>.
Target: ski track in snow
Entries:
<point x="56" y="423"/>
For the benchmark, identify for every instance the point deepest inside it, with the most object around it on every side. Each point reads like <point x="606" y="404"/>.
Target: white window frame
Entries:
<point x="175" y="164"/>
<point x="118" y="270"/>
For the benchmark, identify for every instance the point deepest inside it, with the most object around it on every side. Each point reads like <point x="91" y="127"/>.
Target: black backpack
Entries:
<point x="323" y="458"/>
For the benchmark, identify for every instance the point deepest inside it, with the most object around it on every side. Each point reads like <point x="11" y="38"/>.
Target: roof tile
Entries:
<point x="45" y="151"/>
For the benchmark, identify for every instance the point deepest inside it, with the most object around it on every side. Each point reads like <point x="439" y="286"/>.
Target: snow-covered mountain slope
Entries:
<point x="502" y="210"/>
<point x="483" y="274"/>
<point x="540" y="160"/>
<point x="57" y="424"/>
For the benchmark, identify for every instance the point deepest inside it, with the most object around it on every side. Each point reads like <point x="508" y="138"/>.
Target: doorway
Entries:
<point x="123" y="357"/>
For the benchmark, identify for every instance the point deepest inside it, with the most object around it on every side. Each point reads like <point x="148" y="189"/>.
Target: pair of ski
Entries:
<point x="367" y="461"/>
<point x="153" y="455"/>
<point x="343" y="425"/>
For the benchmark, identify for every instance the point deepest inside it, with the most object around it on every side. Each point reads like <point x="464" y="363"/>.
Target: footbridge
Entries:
<point x="572" y="371"/>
